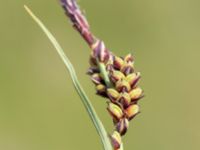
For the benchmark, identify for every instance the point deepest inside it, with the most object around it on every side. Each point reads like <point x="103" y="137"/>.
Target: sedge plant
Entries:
<point x="114" y="77"/>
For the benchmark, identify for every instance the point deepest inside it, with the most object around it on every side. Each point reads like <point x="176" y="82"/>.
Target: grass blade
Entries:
<point x="91" y="111"/>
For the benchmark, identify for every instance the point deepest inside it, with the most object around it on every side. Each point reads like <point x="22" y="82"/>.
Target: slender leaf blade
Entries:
<point x="85" y="100"/>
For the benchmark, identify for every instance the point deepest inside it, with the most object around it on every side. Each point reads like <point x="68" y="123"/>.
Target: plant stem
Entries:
<point x="104" y="73"/>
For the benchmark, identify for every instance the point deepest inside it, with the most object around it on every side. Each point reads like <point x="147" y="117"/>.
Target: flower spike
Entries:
<point x="114" y="77"/>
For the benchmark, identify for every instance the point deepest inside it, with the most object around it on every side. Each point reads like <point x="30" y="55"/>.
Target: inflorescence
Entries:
<point x="114" y="77"/>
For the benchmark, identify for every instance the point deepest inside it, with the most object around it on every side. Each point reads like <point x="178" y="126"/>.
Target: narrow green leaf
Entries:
<point x="91" y="111"/>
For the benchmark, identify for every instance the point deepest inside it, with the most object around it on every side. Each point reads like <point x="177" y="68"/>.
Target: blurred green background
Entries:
<point x="39" y="108"/>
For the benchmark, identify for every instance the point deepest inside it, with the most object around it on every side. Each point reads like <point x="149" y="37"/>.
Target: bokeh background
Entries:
<point x="39" y="108"/>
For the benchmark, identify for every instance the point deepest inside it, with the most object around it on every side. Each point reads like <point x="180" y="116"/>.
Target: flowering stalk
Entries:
<point x="114" y="77"/>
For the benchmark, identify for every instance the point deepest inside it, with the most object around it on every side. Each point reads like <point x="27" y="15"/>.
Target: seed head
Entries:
<point x="116" y="81"/>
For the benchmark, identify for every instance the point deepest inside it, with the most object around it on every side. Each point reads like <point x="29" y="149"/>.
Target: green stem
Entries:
<point x="85" y="100"/>
<point x="104" y="73"/>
